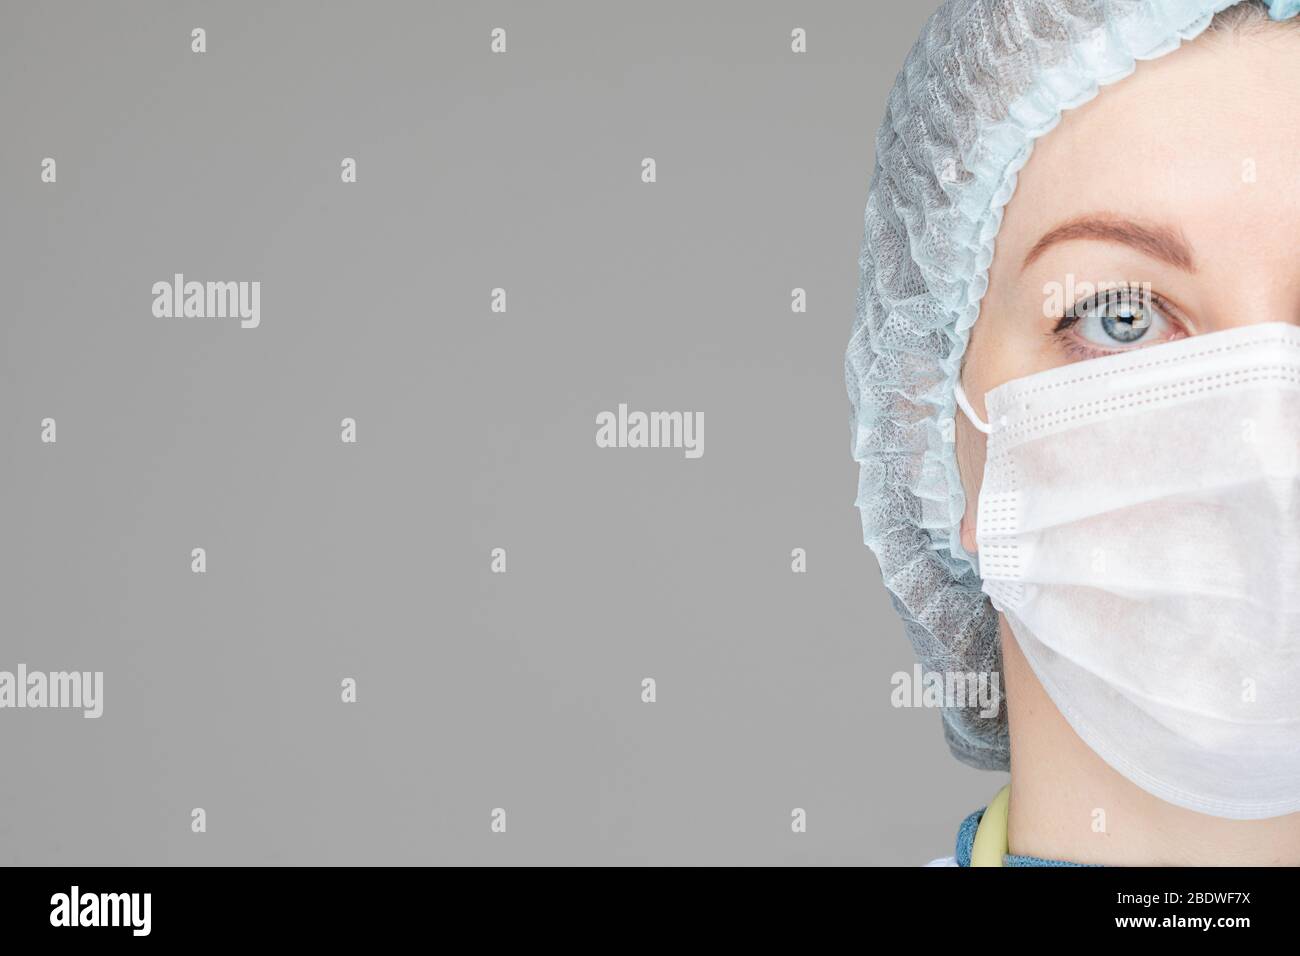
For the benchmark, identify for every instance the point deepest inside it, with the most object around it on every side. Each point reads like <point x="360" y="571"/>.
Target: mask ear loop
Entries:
<point x="970" y="412"/>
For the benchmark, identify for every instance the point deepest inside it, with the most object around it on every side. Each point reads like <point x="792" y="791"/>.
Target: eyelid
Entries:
<point x="1121" y="293"/>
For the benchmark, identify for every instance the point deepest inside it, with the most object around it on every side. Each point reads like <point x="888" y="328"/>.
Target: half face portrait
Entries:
<point x="1075" y="375"/>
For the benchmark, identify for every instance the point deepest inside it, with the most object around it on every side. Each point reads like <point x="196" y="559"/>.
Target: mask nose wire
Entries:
<point x="970" y="412"/>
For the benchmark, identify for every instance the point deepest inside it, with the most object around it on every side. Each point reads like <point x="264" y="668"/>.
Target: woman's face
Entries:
<point x="1167" y="206"/>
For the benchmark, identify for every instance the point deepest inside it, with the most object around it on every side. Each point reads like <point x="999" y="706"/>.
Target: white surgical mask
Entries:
<point x="1139" y="527"/>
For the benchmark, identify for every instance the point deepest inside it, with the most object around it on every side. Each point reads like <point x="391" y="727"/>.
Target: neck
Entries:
<point x="1068" y="804"/>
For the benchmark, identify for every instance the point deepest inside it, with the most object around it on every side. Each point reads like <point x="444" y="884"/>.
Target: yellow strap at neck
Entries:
<point x="991" y="834"/>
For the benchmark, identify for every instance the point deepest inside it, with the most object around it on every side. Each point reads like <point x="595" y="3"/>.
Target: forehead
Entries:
<point x="1206" y="137"/>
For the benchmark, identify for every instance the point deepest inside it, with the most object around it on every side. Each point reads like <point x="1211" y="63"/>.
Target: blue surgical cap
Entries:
<point x="983" y="82"/>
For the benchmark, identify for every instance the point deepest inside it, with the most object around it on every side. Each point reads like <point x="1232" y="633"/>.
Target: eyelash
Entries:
<point x="1080" y="350"/>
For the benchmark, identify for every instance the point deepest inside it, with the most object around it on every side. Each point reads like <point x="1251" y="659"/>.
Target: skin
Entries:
<point x="1166" y="148"/>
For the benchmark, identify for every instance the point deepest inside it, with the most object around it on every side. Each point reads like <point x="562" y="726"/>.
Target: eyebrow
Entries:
<point x="1159" y="242"/>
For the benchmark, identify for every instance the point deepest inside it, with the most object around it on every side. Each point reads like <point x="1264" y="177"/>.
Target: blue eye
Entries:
<point x="1114" y="320"/>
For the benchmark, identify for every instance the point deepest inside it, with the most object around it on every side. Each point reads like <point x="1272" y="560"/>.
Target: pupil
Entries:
<point x="1129" y="326"/>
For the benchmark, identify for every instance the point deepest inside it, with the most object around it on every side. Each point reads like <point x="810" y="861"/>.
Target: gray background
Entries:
<point x="476" y="430"/>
